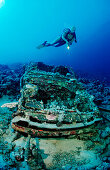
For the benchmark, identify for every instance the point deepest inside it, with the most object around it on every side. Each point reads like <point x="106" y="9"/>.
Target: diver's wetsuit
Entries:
<point x="60" y="41"/>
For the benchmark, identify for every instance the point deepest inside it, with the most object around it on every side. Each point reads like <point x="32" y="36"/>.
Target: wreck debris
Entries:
<point x="53" y="104"/>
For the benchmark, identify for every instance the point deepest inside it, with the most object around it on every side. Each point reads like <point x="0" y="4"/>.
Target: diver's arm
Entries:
<point x="67" y="42"/>
<point x="63" y="37"/>
<point x="75" y="38"/>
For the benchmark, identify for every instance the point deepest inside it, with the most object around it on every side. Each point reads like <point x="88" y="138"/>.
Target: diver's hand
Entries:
<point x="68" y="46"/>
<point x="69" y="43"/>
<point x="75" y="41"/>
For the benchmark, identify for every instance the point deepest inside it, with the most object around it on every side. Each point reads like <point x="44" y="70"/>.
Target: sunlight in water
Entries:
<point x="2" y="2"/>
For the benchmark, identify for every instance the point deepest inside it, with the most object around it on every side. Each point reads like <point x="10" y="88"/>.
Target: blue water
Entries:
<point x="25" y="24"/>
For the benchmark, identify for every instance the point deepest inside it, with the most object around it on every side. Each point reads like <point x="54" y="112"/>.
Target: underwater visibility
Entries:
<point x="55" y="85"/>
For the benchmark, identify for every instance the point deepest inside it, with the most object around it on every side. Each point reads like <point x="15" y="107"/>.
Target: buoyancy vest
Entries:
<point x="69" y="36"/>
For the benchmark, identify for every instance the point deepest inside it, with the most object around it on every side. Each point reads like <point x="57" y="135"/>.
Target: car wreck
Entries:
<point x="53" y="103"/>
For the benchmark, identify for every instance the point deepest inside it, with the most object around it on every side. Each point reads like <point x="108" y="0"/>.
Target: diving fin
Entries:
<point x="42" y="45"/>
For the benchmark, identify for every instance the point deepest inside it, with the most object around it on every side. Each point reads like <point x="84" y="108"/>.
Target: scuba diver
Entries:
<point x="67" y="37"/>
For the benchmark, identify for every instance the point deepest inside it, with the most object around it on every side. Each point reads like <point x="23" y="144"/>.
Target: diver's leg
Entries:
<point x="56" y="41"/>
<point x="60" y="44"/>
